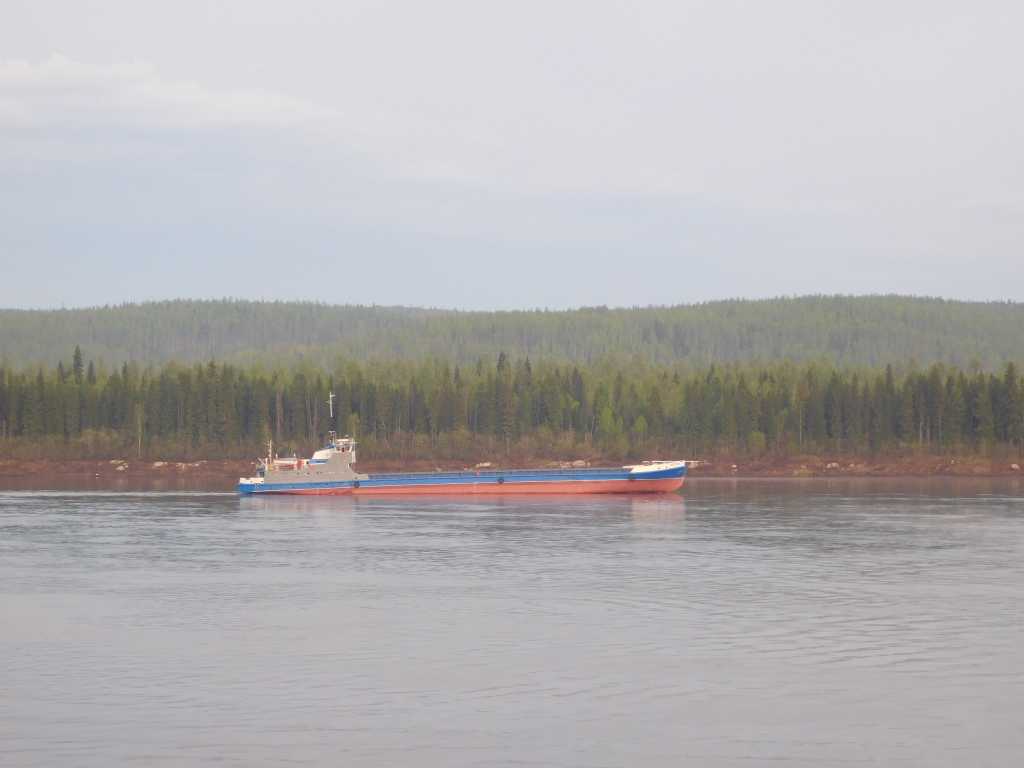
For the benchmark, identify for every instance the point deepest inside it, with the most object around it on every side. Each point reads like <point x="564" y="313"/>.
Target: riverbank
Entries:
<point x="224" y="473"/>
<point x="859" y="466"/>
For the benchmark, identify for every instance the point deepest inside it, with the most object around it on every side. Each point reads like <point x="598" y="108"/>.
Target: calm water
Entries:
<point x="793" y="623"/>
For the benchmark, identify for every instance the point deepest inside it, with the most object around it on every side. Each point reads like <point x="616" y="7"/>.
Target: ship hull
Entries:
<point x="486" y="483"/>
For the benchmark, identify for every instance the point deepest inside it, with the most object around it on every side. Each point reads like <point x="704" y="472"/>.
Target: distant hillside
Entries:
<point x="867" y="330"/>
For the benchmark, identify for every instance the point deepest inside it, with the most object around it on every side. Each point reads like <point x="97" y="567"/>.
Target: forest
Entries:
<point x="844" y="330"/>
<point x="506" y="409"/>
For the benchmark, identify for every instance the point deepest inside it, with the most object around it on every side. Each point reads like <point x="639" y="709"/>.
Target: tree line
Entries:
<point x="511" y="408"/>
<point x="848" y="330"/>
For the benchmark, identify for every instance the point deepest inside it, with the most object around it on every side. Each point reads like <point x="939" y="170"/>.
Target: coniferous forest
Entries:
<point x="844" y="330"/>
<point x="506" y="408"/>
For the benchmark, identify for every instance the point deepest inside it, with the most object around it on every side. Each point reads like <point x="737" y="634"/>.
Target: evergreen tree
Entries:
<point x="77" y="367"/>
<point x="983" y="422"/>
<point x="1014" y="407"/>
<point x="907" y="422"/>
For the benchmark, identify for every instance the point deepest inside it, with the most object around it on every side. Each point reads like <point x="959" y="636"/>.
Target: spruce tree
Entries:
<point x="1013" y="387"/>
<point x="77" y="368"/>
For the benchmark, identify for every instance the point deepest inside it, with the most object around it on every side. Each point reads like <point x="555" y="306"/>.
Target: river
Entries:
<point x="743" y="623"/>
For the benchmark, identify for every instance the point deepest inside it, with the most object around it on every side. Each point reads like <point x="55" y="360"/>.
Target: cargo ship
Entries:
<point x="329" y="472"/>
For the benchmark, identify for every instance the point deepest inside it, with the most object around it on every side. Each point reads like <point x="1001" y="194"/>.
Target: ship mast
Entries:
<point x="330" y="404"/>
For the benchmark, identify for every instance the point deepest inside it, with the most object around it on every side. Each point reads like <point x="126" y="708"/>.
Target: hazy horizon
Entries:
<point x="537" y="155"/>
<point x="484" y="310"/>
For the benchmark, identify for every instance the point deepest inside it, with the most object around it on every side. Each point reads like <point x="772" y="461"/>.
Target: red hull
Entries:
<point x="666" y="485"/>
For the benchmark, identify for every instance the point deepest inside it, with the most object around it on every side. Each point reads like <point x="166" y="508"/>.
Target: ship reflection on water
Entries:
<point x="640" y="507"/>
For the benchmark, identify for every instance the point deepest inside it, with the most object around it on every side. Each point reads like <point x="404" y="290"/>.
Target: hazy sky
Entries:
<point x="516" y="154"/>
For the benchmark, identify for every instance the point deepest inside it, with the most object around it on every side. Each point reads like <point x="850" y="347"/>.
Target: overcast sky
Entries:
<point x="505" y="155"/>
